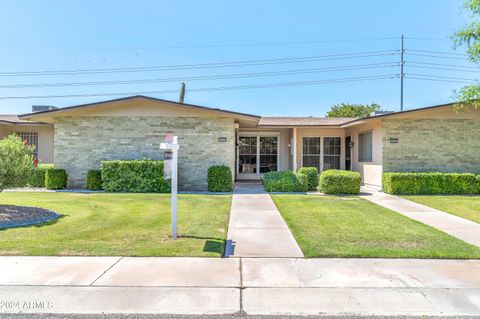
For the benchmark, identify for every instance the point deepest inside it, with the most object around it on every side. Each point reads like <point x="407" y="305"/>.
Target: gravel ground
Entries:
<point x="15" y="216"/>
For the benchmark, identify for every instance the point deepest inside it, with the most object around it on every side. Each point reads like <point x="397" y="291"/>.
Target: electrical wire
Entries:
<point x="211" y="77"/>
<point x="224" y="88"/>
<point x="206" y="65"/>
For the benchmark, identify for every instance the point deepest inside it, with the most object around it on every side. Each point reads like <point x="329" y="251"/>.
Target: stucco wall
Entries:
<point x="45" y="138"/>
<point x="81" y="143"/>
<point x="433" y="144"/>
<point x="371" y="172"/>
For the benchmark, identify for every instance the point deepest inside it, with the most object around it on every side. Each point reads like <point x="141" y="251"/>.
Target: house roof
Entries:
<point x="362" y="119"/>
<point x="303" y="121"/>
<point x="60" y="110"/>
<point x="15" y="119"/>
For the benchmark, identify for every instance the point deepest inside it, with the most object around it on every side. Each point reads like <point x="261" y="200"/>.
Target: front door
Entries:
<point x="257" y="154"/>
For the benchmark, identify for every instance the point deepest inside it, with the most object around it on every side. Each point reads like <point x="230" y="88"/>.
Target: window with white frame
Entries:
<point x="365" y="149"/>
<point x="311" y="152"/>
<point x="30" y="138"/>
<point x="331" y="153"/>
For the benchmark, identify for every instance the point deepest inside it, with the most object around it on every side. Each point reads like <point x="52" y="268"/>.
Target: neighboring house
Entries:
<point x="33" y="133"/>
<point x="429" y="139"/>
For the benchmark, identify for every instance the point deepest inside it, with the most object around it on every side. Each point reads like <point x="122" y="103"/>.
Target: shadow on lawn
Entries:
<point x="212" y="245"/>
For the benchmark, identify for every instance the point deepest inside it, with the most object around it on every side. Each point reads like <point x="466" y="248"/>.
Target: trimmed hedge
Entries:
<point x="312" y="177"/>
<point x="56" y="178"/>
<point x="431" y="183"/>
<point x="38" y="176"/>
<point x="94" y="179"/>
<point x="220" y="179"/>
<point x="285" y="181"/>
<point x="335" y="181"/>
<point x="136" y="176"/>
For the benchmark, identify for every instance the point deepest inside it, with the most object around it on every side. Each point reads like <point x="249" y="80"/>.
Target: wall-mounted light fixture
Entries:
<point x="351" y="144"/>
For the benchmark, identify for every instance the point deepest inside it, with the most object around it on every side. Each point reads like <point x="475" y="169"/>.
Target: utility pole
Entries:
<point x="182" y="94"/>
<point x="402" y="62"/>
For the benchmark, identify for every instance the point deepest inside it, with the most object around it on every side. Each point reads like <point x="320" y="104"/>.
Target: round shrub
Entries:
<point x="55" y="178"/>
<point x="136" y="176"/>
<point x="37" y="179"/>
<point x="312" y="177"/>
<point x="94" y="179"/>
<point x="220" y="179"/>
<point x="335" y="181"/>
<point x="285" y="181"/>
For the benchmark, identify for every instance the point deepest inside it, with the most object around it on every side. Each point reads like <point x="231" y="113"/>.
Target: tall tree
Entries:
<point x="469" y="95"/>
<point x="352" y="110"/>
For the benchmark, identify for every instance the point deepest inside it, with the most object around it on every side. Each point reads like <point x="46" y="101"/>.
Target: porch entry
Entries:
<point x="257" y="154"/>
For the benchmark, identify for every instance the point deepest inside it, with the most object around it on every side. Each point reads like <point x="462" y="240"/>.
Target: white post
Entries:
<point x="174" y="189"/>
<point x="170" y="171"/>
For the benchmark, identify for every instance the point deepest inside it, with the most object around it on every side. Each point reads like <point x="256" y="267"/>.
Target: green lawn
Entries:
<point x="119" y="225"/>
<point x="463" y="206"/>
<point x="327" y="226"/>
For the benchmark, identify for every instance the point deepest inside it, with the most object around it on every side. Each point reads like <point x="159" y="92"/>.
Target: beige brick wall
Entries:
<point x="81" y="143"/>
<point x="445" y="145"/>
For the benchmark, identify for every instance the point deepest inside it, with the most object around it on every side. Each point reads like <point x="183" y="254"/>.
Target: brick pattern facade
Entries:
<point x="81" y="143"/>
<point x="424" y="145"/>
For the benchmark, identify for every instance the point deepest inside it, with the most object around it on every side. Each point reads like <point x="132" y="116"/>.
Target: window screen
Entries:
<point x="365" y="147"/>
<point x="30" y="138"/>
<point x="331" y="153"/>
<point x="311" y="152"/>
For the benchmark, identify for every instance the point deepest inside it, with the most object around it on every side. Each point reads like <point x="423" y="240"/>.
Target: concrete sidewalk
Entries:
<point x="256" y="228"/>
<point x="461" y="228"/>
<point x="252" y="286"/>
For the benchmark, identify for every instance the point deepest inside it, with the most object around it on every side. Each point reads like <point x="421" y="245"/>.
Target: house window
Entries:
<point x="365" y="147"/>
<point x="30" y="138"/>
<point x="331" y="153"/>
<point x="268" y="154"/>
<point x="311" y="152"/>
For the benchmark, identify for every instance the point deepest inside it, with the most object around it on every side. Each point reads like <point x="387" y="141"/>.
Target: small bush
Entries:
<point x="94" y="179"/>
<point x="430" y="183"/>
<point x="16" y="162"/>
<point x="55" y="178"/>
<point x="312" y="177"/>
<point x="339" y="182"/>
<point x="137" y="176"/>
<point x="286" y="181"/>
<point x="219" y="179"/>
<point x="37" y="179"/>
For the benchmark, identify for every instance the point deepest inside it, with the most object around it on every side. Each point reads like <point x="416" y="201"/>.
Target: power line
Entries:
<point x="258" y="44"/>
<point x="224" y="88"/>
<point x="441" y="78"/>
<point x="206" y="65"/>
<point x="439" y="68"/>
<point x="435" y="56"/>
<point x="448" y="65"/>
<point x="211" y="77"/>
<point x="439" y="52"/>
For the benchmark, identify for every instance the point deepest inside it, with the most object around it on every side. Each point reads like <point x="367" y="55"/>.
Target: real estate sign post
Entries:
<point x="170" y="172"/>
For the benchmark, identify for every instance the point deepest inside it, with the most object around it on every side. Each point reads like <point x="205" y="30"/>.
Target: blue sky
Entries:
<point x="68" y="35"/>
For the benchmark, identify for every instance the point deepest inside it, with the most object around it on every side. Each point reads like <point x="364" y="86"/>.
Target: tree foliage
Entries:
<point x="469" y="36"/>
<point x="16" y="162"/>
<point x="352" y="110"/>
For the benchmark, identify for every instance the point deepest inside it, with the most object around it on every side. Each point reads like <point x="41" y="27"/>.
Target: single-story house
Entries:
<point x="78" y="138"/>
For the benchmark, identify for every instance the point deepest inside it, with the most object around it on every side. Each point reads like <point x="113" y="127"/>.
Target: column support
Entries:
<point x="294" y="147"/>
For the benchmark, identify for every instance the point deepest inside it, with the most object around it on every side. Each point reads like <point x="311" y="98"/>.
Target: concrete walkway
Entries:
<point x="461" y="228"/>
<point x="256" y="228"/>
<point x="252" y="286"/>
